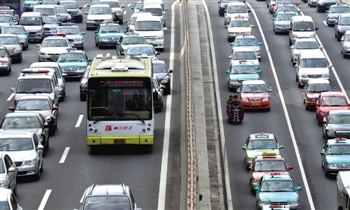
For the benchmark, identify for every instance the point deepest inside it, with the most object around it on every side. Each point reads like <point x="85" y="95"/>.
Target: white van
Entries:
<point x="301" y="27"/>
<point x="155" y="9"/>
<point x="37" y="81"/>
<point x="33" y="23"/>
<point x="152" y="29"/>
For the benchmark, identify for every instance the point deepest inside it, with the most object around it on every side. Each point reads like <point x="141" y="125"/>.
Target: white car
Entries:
<point x="238" y="26"/>
<point x="51" y="47"/>
<point x="247" y="55"/>
<point x="98" y="13"/>
<point x="304" y="45"/>
<point x="235" y="9"/>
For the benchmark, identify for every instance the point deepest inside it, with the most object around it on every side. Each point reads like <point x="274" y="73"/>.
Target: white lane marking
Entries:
<point x="44" y="200"/>
<point x="128" y="5"/>
<point x="220" y="120"/>
<point x="165" y="153"/>
<point x="124" y="12"/>
<point x="108" y="54"/>
<point x="64" y="155"/>
<point x="79" y="121"/>
<point x="325" y="23"/>
<point x="295" y="145"/>
<point x="10" y="97"/>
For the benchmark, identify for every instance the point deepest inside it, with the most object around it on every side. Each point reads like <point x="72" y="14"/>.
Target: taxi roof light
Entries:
<point x="61" y="34"/>
<point x="269" y="154"/>
<point x="275" y="173"/>
<point x="340" y="139"/>
<point x="261" y="134"/>
<point x="239" y="17"/>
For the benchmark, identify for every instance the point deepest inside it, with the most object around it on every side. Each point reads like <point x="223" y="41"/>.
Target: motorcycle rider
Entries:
<point x="234" y="102"/>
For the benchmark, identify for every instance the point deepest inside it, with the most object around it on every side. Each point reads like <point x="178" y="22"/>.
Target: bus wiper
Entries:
<point x="134" y="115"/>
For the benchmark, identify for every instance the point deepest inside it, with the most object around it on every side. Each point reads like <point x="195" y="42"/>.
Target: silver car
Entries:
<point x="13" y="45"/>
<point x="309" y="45"/>
<point x="161" y="71"/>
<point x="8" y="199"/>
<point x="8" y="173"/>
<point x="345" y="44"/>
<point x="25" y="150"/>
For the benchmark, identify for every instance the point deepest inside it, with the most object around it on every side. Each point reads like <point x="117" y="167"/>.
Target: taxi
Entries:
<point x="281" y="23"/>
<point x="265" y="164"/>
<point x="52" y="46"/>
<point x="7" y="20"/>
<point x="258" y="143"/>
<point x="247" y="41"/>
<point x="332" y="100"/>
<point x="312" y="90"/>
<point x="334" y="11"/>
<point x="309" y="45"/>
<point x="286" y="7"/>
<point x="244" y="54"/>
<point x="108" y="34"/>
<point x="73" y="63"/>
<point x="8" y="10"/>
<point x="240" y="72"/>
<point x="335" y="156"/>
<point x="73" y="34"/>
<point x="279" y="189"/>
<point x="50" y="24"/>
<point x="127" y="40"/>
<point x="238" y="26"/>
<point x="345" y="44"/>
<point x="255" y="95"/>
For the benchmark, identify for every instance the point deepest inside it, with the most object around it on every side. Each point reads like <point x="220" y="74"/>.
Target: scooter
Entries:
<point x="235" y="112"/>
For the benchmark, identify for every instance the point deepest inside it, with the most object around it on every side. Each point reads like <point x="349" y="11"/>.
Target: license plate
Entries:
<point x="3" y="64"/>
<point x="119" y="141"/>
<point x="112" y="41"/>
<point x="255" y="103"/>
<point x="70" y="73"/>
<point x="236" y="110"/>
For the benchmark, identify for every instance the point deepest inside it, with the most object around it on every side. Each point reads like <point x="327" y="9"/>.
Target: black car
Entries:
<point x="324" y="5"/>
<point x="223" y="5"/>
<point x="336" y="124"/>
<point x="73" y="9"/>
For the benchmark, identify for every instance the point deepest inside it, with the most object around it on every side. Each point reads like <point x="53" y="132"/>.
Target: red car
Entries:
<point x="255" y="95"/>
<point x="5" y="61"/>
<point x="42" y="104"/>
<point x="266" y="164"/>
<point x="333" y="100"/>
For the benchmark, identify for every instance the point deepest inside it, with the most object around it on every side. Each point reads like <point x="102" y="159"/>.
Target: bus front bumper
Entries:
<point x="119" y="140"/>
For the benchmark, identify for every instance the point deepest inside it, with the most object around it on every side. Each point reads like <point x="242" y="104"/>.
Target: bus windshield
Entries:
<point x="119" y="99"/>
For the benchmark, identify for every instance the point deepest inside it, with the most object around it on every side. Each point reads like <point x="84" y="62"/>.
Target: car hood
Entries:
<point x="328" y="108"/>
<point x="53" y="49"/>
<point x="10" y="47"/>
<point x="35" y="130"/>
<point x="99" y="17"/>
<point x="255" y="48"/>
<point x="50" y="26"/>
<point x="278" y="196"/>
<point x="73" y="10"/>
<point x="312" y="95"/>
<point x="314" y="70"/>
<point x="72" y="64"/>
<point x="75" y="36"/>
<point x="282" y="22"/>
<point x="255" y="62"/>
<point x="344" y="27"/>
<point x="254" y="95"/>
<point x="338" y="159"/>
<point x="19" y="156"/>
<point x="304" y="34"/>
<point x="5" y="24"/>
<point x="241" y="77"/>
<point x="239" y="29"/>
<point x="256" y="152"/>
<point x="339" y="127"/>
<point x="44" y="113"/>
<point x="32" y="28"/>
<point x="149" y="33"/>
<point x="114" y="35"/>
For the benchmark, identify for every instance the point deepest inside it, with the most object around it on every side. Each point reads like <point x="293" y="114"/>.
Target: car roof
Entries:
<point x="100" y="5"/>
<point x="277" y="176"/>
<point x="30" y="14"/>
<point x="343" y="112"/>
<point x="267" y="156"/>
<point x="306" y="40"/>
<point x="108" y="189"/>
<point x="235" y="3"/>
<point x="332" y="93"/>
<point x="22" y="114"/>
<point x="302" y="18"/>
<point x="243" y="50"/>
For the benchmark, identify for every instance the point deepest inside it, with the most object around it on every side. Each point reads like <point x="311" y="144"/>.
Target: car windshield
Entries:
<point x="54" y="43"/>
<point x="13" y="30"/>
<point x="9" y="40"/>
<point x="154" y="11"/>
<point x="334" y="101"/>
<point x="71" y="57"/>
<point x="239" y="23"/>
<point x="111" y="29"/>
<point x="30" y="21"/>
<point x="112" y="4"/>
<point x="3" y="53"/>
<point x="339" y="119"/>
<point x="340" y="149"/>
<point x="16" y="144"/>
<point x="244" y="56"/>
<point x="45" y="11"/>
<point x="32" y="104"/>
<point x="262" y="144"/>
<point x="284" y="16"/>
<point x="241" y="69"/>
<point x="107" y="203"/>
<point x="20" y="122"/>
<point x="140" y="50"/>
<point x="99" y="10"/>
<point x="277" y="186"/>
<point x="61" y="10"/>
<point x="303" y="26"/>
<point x="314" y="63"/>
<point x="68" y="31"/>
<point x="306" y="45"/>
<point x="148" y="26"/>
<point x="133" y="40"/>
<point x="69" y="5"/>
<point x="49" y="20"/>
<point x="237" y="9"/>
<point x="5" y="19"/>
<point x="265" y="165"/>
<point x="339" y="9"/>
<point x="347" y="37"/>
<point x="246" y="42"/>
<point x="4" y="205"/>
<point x="226" y="1"/>
<point x="34" y="86"/>
<point x="344" y="21"/>
<point x="254" y="88"/>
<point x="50" y="1"/>
<point x="319" y="88"/>
<point x="159" y="68"/>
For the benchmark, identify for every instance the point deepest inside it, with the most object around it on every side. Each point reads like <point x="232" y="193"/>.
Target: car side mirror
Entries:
<point x="157" y="53"/>
<point x="281" y="147"/>
<point x="316" y="28"/>
<point x="86" y="13"/>
<point x="89" y="59"/>
<point x="289" y="168"/>
<point x="244" y="147"/>
<point x="11" y="108"/>
<point x="260" y="43"/>
<point x="259" y="71"/>
<point x="299" y="188"/>
<point x="250" y="168"/>
<point x="256" y="189"/>
<point x="228" y="72"/>
<point x="12" y="90"/>
<point x="170" y="71"/>
<point x="11" y="169"/>
<point x="38" y="45"/>
<point x="230" y="57"/>
<point x="83" y="33"/>
<point x="40" y="147"/>
<point x="55" y="108"/>
<point x="165" y="28"/>
<point x="270" y="89"/>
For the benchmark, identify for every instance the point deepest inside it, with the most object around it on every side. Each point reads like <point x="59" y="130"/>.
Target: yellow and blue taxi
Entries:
<point x="281" y="23"/>
<point x="244" y="70"/>
<point x="335" y="156"/>
<point x="277" y="189"/>
<point x="258" y="143"/>
<point x="108" y="34"/>
<point x="238" y="26"/>
<point x="334" y="11"/>
<point x="73" y="63"/>
<point x="247" y="41"/>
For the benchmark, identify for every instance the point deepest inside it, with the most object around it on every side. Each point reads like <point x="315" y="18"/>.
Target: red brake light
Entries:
<point x="63" y="35"/>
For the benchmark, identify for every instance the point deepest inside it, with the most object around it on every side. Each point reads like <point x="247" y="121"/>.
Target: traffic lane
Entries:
<point x="273" y="121"/>
<point x="304" y="124"/>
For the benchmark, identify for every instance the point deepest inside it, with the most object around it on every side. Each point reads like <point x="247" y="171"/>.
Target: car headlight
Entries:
<point x="323" y="113"/>
<point x="164" y="81"/>
<point x="313" y="36"/>
<point x="39" y="32"/>
<point x="294" y="36"/>
<point x="159" y="37"/>
<point x="331" y="131"/>
<point x="340" y="30"/>
<point x="293" y="202"/>
<point x="81" y="68"/>
<point x="17" y="50"/>
<point x="3" y="183"/>
<point x="78" y="39"/>
<point x="30" y="162"/>
<point x="69" y="17"/>
<point x="245" y="100"/>
<point x="104" y="39"/>
<point x="263" y="202"/>
<point x="326" y="75"/>
<point x="265" y="99"/>
<point x="303" y="75"/>
<point x="331" y="165"/>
